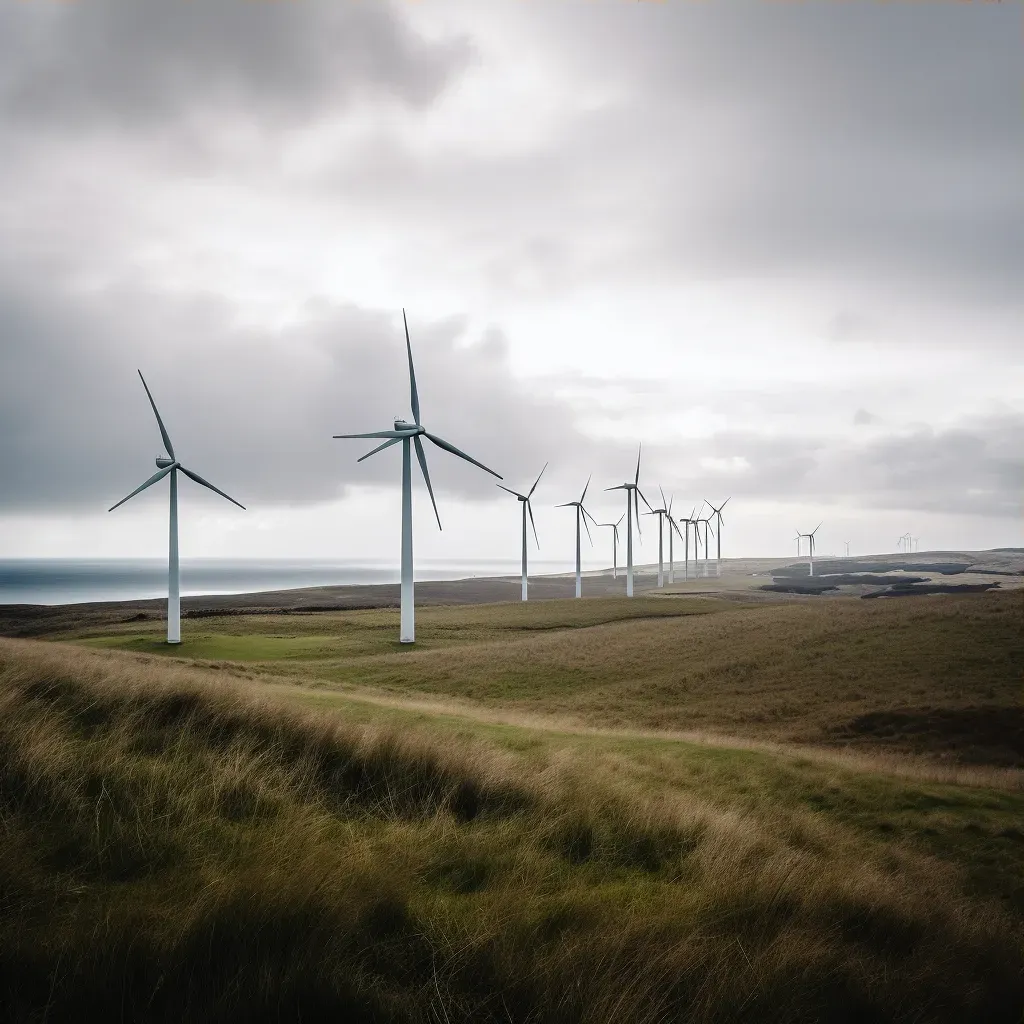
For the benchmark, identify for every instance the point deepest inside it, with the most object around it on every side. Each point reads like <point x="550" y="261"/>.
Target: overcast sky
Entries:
<point x="781" y="244"/>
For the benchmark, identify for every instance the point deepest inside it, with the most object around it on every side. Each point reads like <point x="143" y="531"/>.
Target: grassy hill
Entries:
<point x="294" y="819"/>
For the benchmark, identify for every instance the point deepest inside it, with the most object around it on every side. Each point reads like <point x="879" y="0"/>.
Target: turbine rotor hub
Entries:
<point x="162" y="462"/>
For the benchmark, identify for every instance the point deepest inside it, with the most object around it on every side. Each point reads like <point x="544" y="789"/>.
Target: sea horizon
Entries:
<point x="54" y="581"/>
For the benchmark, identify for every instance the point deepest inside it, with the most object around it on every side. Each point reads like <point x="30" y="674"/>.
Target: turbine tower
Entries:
<point x="672" y="525"/>
<point x="409" y="434"/>
<point x="615" y="544"/>
<point x="169" y="465"/>
<point x="707" y="548"/>
<point x="524" y="500"/>
<point x="810" y="542"/>
<point x="847" y="543"/>
<point x="660" y="512"/>
<point x="718" y="513"/>
<point x="581" y="513"/>
<point x="633" y="495"/>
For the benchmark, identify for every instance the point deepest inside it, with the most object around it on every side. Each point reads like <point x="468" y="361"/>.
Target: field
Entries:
<point x="692" y="808"/>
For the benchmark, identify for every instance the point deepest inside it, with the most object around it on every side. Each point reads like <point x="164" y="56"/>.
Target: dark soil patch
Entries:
<point x="909" y="590"/>
<point x="986" y="734"/>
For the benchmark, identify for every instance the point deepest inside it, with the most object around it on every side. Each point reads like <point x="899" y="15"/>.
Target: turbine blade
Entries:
<point x="585" y="486"/>
<point x="617" y="487"/>
<point x="587" y="528"/>
<point x="158" y="475"/>
<point x="646" y="502"/>
<point x="529" y="508"/>
<point x="160" y="422"/>
<point x="422" y="456"/>
<point x="206" y="483"/>
<point x="638" y="451"/>
<point x="623" y="516"/>
<point x="377" y="433"/>
<point x="567" y="504"/>
<point x="441" y="443"/>
<point x="413" y="394"/>
<point x="516" y="493"/>
<point x="675" y="526"/>
<point x="726" y="502"/>
<point x="592" y="519"/>
<point x="380" y="448"/>
<point x="636" y="501"/>
<point x="664" y="504"/>
<point x="537" y="481"/>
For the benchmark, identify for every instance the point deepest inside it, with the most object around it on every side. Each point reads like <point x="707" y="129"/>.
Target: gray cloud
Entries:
<point x="252" y="410"/>
<point x="862" y="417"/>
<point x="140" y="66"/>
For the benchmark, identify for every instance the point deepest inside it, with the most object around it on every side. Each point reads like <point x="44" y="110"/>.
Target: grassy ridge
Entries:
<point x="938" y="675"/>
<point x="177" y="848"/>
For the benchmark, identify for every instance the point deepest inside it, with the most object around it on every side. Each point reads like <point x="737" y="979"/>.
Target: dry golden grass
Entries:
<point x="176" y="847"/>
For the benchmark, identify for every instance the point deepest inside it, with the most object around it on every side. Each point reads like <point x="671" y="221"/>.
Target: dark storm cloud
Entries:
<point x="139" y="66"/>
<point x="252" y="410"/>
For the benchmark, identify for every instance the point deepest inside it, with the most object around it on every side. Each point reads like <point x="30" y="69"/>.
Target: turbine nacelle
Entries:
<point x="411" y="428"/>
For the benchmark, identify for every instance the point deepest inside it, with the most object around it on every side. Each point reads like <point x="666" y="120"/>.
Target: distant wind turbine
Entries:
<point x="409" y="434"/>
<point x="797" y="538"/>
<point x="633" y="495"/>
<point x="660" y="513"/>
<point x="847" y="543"/>
<point x="524" y="500"/>
<point x="672" y="525"/>
<point x="707" y="547"/>
<point x="581" y="515"/>
<point x="810" y="541"/>
<point x="170" y="466"/>
<point x="615" y="544"/>
<point x="718" y="514"/>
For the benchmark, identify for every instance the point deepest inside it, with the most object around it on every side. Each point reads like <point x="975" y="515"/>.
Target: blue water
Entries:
<point x="70" y="581"/>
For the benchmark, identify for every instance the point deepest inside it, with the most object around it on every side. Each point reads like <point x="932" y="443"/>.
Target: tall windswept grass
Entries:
<point x="175" y="849"/>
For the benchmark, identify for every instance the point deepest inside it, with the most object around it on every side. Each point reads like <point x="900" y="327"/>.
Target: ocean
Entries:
<point x="71" y="581"/>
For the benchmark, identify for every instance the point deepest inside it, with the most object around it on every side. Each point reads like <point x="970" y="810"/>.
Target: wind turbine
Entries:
<point x="847" y="543"/>
<point x="707" y="547"/>
<point x="672" y="525"/>
<point x="581" y="514"/>
<point x="524" y="500"/>
<point x="718" y="513"/>
<point x="170" y="466"/>
<point x="660" y="512"/>
<point x="686" y="540"/>
<point x="810" y="540"/>
<point x="615" y="544"/>
<point x="797" y="539"/>
<point x="633" y="495"/>
<point x="409" y="435"/>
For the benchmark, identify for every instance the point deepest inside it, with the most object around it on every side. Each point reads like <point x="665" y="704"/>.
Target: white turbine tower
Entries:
<point x="633" y="495"/>
<point x="409" y="434"/>
<point x="581" y="514"/>
<point x="810" y="543"/>
<point x="524" y="500"/>
<point x="615" y="544"/>
<point x="660" y="513"/>
<point x="170" y="466"/>
<point x="672" y="525"/>
<point x="847" y="543"/>
<point x="718" y="514"/>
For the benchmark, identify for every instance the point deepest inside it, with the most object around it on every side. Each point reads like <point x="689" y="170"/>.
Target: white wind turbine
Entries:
<point x="169" y="466"/>
<point x="633" y="495"/>
<point x="672" y="525"/>
<point x="615" y="544"/>
<point x="409" y="434"/>
<point x="718" y="514"/>
<point x="581" y="514"/>
<point x="810" y="542"/>
<point x="524" y="500"/>
<point x="847" y="543"/>
<point x="707" y="547"/>
<point x="660" y="513"/>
